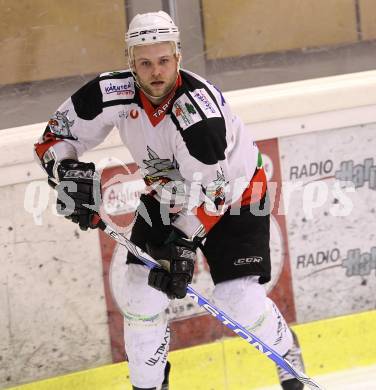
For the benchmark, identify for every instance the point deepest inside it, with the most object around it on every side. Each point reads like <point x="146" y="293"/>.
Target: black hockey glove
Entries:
<point x="79" y="193"/>
<point x="180" y="254"/>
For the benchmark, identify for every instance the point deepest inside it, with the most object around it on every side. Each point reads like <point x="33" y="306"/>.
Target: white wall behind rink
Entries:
<point x="269" y="112"/>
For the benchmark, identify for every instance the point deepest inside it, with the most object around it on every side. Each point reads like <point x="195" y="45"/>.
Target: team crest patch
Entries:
<point x="185" y="112"/>
<point x="60" y="125"/>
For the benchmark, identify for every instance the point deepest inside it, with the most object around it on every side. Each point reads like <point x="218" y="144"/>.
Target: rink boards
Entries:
<point x="231" y="364"/>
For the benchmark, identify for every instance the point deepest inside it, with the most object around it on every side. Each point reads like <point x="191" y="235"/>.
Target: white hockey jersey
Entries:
<point x="191" y="146"/>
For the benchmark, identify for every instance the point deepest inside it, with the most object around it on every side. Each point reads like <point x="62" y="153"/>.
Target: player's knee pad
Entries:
<point x="243" y="299"/>
<point x="141" y="302"/>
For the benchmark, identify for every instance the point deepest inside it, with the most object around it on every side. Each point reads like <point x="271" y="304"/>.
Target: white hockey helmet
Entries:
<point x="152" y="27"/>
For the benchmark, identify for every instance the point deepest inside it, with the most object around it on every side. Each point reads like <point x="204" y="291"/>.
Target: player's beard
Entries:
<point x="158" y="94"/>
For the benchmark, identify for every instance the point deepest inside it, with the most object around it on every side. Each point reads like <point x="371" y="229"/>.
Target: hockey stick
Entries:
<point x="213" y="310"/>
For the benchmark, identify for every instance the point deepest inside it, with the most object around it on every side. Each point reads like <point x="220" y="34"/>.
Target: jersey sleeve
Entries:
<point x="78" y="125"/>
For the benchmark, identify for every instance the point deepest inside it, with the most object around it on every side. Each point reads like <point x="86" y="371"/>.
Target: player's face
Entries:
<point x="156" y="68"/>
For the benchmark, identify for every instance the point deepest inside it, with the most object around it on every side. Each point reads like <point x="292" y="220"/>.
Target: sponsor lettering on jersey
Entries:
<point x="161" y="110"/>
<point x="118" y="88"/>
<point x="206" y="103"/>
<point x="185" y="112"/>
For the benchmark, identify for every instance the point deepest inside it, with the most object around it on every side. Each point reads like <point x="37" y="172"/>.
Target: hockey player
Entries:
<point x="207" y="188"/>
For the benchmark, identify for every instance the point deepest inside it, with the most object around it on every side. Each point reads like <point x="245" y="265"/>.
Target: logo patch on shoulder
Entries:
<point x="206" y="103"/>
<point x="185" y="112"/>
<point x="60" y="125"/>
<point x="114" y="89"/>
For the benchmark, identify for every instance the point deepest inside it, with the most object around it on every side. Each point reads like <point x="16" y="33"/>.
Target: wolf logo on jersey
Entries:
<point x="215" y="190"/>
<point x="60" y="125"/>
<point x="160" y="171"/>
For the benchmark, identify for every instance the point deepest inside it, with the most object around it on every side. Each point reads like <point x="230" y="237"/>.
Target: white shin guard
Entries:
<point x="245" y="300"/>
<point x="146" y="333"/>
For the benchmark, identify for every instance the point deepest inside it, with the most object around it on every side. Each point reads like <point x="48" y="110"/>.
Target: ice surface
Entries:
<point x="363" y="378"/>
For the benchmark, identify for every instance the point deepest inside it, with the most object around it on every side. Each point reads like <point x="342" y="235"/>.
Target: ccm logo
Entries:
<point x="248" y="260"/>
